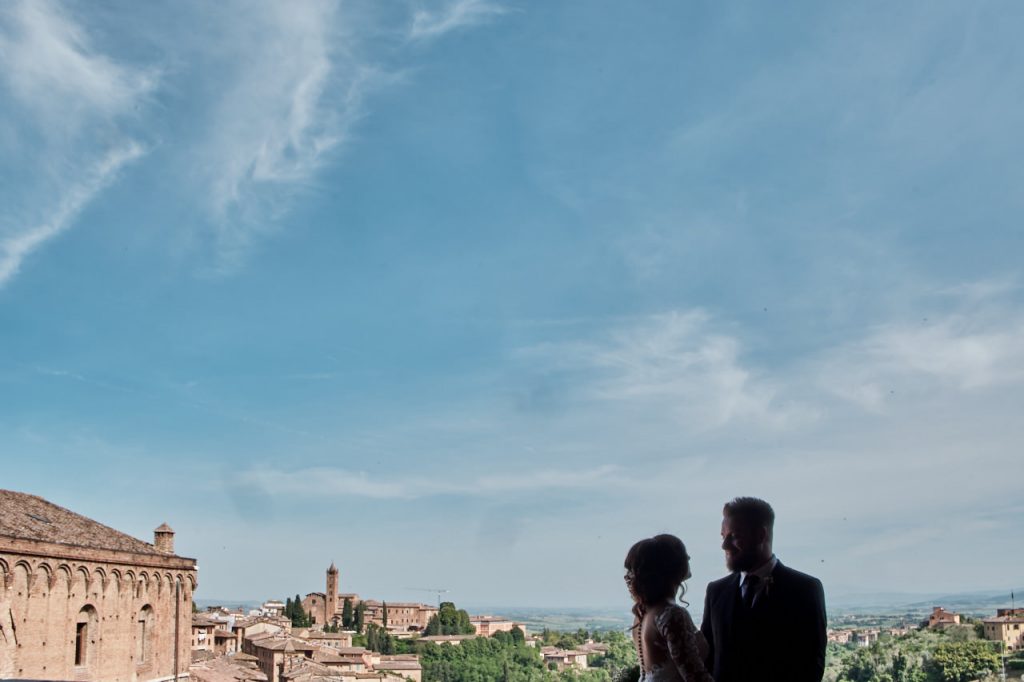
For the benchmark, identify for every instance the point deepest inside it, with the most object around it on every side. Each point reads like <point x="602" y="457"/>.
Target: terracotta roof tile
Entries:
<point x="32" y="518"/>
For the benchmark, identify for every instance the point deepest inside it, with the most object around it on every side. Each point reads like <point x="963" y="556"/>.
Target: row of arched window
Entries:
<point x="25" y="579"/>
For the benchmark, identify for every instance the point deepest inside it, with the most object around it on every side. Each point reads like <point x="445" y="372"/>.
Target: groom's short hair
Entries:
<point x="751" y="511"/>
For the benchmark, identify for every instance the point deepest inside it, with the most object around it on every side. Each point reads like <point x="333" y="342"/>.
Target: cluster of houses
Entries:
<point x="266" y="642"/>
<point x="263" y="646"/>
<point x="863" y="636"/>
<point x="1007" y="626"/>
<point x="561" y="659"/>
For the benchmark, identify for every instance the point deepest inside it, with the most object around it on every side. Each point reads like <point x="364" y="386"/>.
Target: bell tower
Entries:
<point x="332" y="593"/>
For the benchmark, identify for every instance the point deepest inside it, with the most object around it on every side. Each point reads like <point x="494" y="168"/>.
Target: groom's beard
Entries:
<point x="737" y="561"/>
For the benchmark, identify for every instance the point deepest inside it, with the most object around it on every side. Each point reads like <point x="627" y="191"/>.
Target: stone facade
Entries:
<point x="564" y="658"/>
<point x="1007" y="627"/>
<point x="82" y="601"/>
<point x="940" y="618"/>
<point x="325" y="607"/>
<point x="315" y="606"/>
<point x="488" y="626"/>
<point x="402" y="616"/>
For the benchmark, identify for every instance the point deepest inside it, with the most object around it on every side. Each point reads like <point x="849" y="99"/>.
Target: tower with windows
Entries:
<point x="332" y="591"/>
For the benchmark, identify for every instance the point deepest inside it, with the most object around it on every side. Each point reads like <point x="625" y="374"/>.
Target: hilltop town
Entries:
<point x="80" y="600"/>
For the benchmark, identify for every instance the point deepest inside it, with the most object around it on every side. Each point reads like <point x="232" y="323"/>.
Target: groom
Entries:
<point x="764" y="622"/>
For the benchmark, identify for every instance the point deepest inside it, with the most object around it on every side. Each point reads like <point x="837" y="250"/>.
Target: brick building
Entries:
<point x="327" y="607"/>
<point x="561" y="659"/>
<point x="940" y="618"/>
<point x="402" y="616"/>
<point x="82" y="601"/>
<point x="1007" y="627"/>
<point x="488" y="626"/>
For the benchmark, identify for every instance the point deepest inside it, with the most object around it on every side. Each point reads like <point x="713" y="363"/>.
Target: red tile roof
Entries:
<point x="30" y="517"/>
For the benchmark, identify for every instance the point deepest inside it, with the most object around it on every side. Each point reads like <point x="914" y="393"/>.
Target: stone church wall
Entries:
<point x="75" y="613"/>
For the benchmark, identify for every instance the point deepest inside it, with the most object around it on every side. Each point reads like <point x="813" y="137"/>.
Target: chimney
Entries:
<point x="163" y="539"/>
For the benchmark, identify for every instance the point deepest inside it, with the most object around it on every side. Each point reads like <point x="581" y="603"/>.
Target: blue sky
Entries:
<point x="474" y="294"/>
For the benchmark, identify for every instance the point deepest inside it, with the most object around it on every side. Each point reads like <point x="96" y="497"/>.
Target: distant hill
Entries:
<point x="246" y="605"/>
<point x="978" y="602"/>
<point x="565" y="619"/>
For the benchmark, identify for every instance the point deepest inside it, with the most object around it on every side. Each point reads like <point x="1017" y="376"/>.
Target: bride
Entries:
<point x="669" y="646"/>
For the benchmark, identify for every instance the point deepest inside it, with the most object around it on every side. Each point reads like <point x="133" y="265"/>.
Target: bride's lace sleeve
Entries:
<point x="686" y="646"/>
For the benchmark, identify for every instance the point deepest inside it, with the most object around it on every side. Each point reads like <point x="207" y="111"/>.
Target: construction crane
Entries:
<point x="436" y="590"/>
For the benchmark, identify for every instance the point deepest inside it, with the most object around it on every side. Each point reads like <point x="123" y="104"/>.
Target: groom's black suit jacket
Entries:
<point x="780" y="639"/>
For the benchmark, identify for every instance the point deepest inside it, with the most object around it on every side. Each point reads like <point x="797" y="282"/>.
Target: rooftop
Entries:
<point x="1004" y="619"/>
<point x="29" y="517"/>
<point x="398" y="665"/>
<point x="277" y="643"/>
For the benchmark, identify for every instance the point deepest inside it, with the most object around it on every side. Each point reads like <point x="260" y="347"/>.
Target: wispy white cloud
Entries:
<point x="427" y="25"/>
<point x="15" y="248"/>
<point x="675" y="361"/>
<point x="60" y="87"/>
<point x="963" y="350"/>
<point x="295" y="89"/>
<point x="51" y="67"/>
<point x="334" y="482"/>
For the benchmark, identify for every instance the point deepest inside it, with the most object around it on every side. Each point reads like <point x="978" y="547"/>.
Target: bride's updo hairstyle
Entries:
<point x="655" y="570"/>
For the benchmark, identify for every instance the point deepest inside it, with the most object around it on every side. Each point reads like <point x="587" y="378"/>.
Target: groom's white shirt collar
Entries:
<point x="763" y="571"/>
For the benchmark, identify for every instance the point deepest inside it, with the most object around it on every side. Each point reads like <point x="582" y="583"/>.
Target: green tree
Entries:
<point x="863" y="666"/>
<point x="462" y="624"/>
<point x="384" y="614"/>
<point x="346" y="613"/>
<point x="449" y="621"/>
<point x="293" y="609"/>
<point x="360" y="617"/>
<point x="484" y="659"/>
<point x="631" y="674"/>
<point x="964" y="661"/>
<point x="620" y="657"/>
<point x="899" y="667"/>
<point x="373" y="637"/>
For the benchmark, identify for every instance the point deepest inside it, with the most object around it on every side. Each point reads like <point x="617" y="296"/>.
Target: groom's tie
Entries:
<point x="748" y="589"/>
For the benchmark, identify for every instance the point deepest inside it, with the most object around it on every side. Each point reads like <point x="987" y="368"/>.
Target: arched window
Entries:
<point x="86" y="634"/>
<point x="143" y="634"/>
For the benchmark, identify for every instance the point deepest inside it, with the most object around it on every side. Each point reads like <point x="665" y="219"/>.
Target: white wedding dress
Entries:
<point x="680" y="646"/>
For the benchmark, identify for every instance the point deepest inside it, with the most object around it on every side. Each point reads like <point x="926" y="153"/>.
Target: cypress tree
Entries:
<point x="360" y="616"/>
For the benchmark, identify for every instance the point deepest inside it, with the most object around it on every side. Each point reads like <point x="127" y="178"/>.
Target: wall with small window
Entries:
<point x="95" y="620"/>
